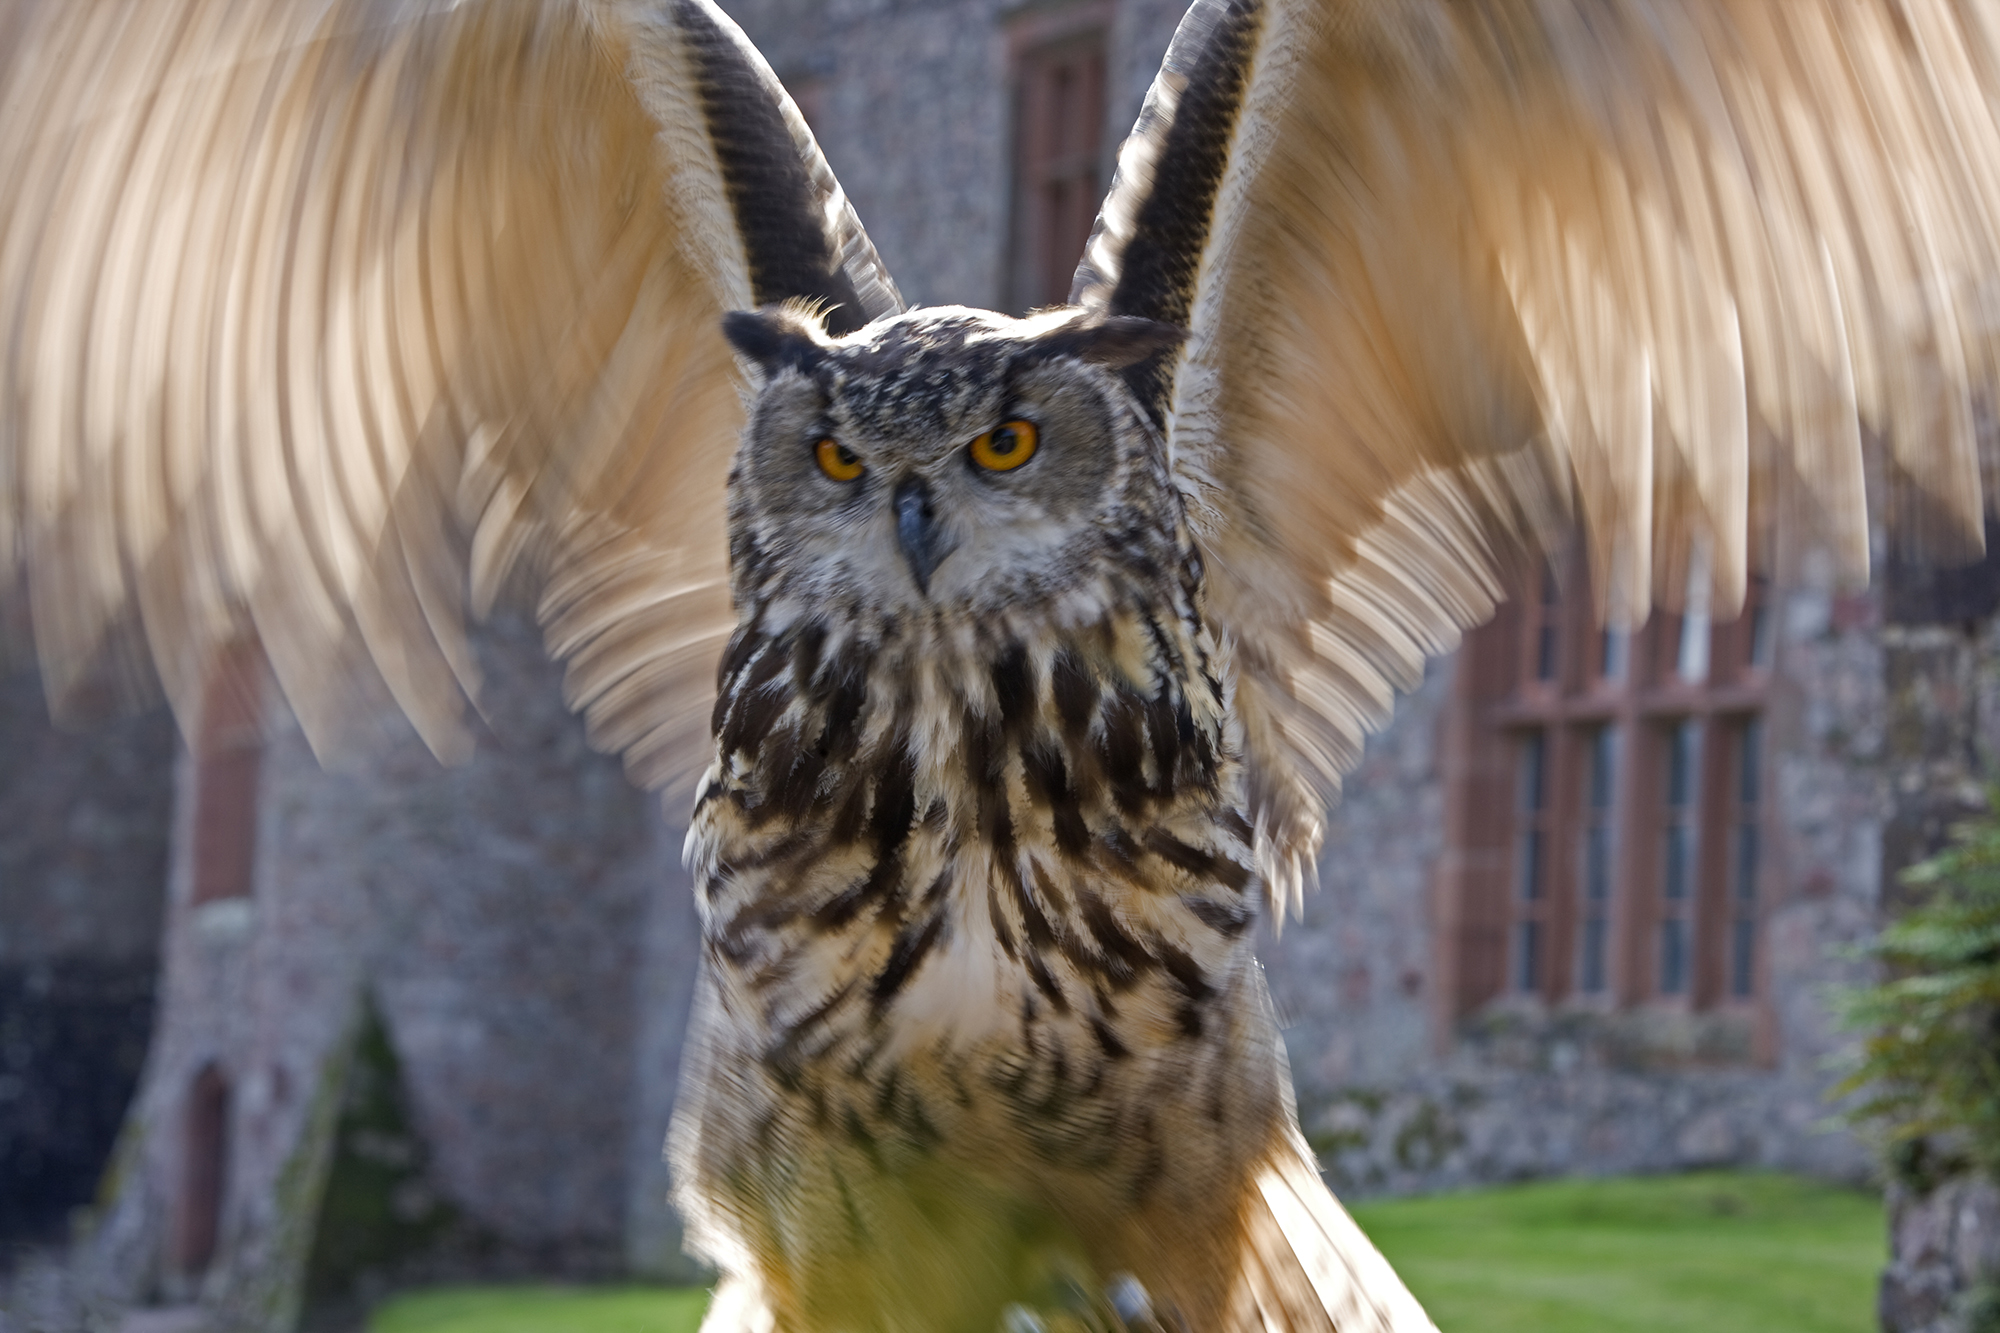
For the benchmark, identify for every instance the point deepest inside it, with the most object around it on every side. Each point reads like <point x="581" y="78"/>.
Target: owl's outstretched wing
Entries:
<point x="1455" y="269"/>
<point x="322" y="315"/>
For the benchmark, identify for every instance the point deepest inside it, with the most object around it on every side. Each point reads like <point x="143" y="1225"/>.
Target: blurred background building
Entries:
<point x="1581" y="909"/>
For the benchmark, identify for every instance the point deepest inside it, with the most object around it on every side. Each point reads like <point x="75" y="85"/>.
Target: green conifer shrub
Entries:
<point x="1930" y="1068"/>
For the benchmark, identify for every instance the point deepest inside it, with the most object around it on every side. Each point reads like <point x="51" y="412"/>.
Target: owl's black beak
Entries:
<point x="924" y="545"/>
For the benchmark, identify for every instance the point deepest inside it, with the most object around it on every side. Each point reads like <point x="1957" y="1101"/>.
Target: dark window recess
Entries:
<point x="1058" y="164"/>
<point x="204" y="1171"/>
<point x="73" y="1036"/>
<point x="1918" y="591"/>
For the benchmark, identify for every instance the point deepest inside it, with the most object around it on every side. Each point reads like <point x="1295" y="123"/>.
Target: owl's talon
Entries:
<point x="1020" y="1319"/>
<point x="1128" y="1299"/>
<point x="1125" y="1307"/>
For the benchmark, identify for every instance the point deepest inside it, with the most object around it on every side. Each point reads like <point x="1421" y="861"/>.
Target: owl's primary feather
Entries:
<point x="322" y="317"/>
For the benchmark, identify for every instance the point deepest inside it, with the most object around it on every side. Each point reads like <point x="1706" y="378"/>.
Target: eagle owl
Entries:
<point x="1042" y="642"/>
<point x="974" y="855"/>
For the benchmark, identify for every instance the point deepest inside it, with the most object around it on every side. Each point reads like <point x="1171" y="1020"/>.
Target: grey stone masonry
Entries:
<point x="500" y="916"/>
<point x="1944" y="1259"/>
<point x="84" y="817"/>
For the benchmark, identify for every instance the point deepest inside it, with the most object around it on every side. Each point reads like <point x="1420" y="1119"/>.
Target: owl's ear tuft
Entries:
<point x="1114" y="342"/>
<point x="777" y="337"/>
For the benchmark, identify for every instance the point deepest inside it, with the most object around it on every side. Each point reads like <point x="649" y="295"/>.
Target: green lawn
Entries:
<point x="1718" y="1252"/>
<point x="542" y="1310"/>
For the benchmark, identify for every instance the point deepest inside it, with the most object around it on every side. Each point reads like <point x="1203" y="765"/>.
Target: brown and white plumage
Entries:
<point x="324" y="317"/>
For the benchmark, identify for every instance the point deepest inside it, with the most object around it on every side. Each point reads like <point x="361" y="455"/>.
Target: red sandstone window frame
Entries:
<point x="1059" y="67"/>
<point x="1543" y="673"/>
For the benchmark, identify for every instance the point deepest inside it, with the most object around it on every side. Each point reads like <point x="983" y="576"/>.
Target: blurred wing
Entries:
<point x="1452" y="268"/>
<point x="321" y="316"/>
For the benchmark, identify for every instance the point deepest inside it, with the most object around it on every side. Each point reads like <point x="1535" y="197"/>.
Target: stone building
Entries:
<point x="83" y="854"/>
<point x="411" y="1020"/>
<point x="1580" y="909"/>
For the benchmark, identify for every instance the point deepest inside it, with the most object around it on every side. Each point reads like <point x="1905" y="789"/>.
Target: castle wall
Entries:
<point x="84" y="815"/>
<point x="505" y="918"/>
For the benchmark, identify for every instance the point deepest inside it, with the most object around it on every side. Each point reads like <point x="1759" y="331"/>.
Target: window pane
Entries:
<point x="1673" y="956"/>
<point x="1678" y="843"/>
<point x="1531" y="857"/>
<point x="1527" y="956"/>
<point x="1548" y="617"/>
<point x="1746" y="863"/>
<point x="1597" y="863"/>
<point x="1614" y="647"/>
<point x="1742" y="958"/>
<point x="1691" y="663"/>
<point x="1749" y="763"/>
<point x="1760" y="635"/>
<point x="1590" y="971"/>
<point x="1762" y="623"/>
<point x="1531" y="864"/>
<point x="1683" y="762"/>
<point x="1680" y="863"/>
<point x="1743" y="870"/>
<point x="1531" y="772"/>
<point x="1603" y="767"/>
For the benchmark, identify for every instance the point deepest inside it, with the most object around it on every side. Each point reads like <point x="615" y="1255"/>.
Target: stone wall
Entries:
<point x="1944" y="1259"/>
<point x="83" y="851"/>
<point x="499" y="916"/>
<point x="911" y="101"/>
<point x="908" y="100"/>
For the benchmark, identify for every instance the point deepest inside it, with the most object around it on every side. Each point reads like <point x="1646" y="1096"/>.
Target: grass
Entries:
<point x="1720" y="1252"/>
<point x="543" y="1309"/>
<point x="1723" y="1252"/>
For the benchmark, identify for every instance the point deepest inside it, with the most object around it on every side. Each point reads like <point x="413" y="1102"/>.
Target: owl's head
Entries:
<point x="942" y="458"/>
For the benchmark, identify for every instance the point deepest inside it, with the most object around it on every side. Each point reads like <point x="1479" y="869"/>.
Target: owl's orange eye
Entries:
<point x="1005" y="447"/>
<point x="837" y="460"/>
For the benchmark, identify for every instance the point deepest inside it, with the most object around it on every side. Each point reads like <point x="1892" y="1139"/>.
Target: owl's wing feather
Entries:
<point x="1455" y="271"/>
<point x="322" y="316"/>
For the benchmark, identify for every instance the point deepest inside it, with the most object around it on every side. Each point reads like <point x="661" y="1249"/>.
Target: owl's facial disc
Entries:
<point x="942" y="458"/>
